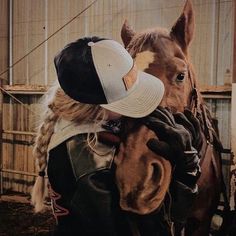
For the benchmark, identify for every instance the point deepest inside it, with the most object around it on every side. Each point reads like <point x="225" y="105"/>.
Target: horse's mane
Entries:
<point x="149" y="36"/>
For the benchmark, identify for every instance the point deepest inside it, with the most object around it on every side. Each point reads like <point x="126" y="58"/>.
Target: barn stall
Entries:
<point x="32" y="32"/>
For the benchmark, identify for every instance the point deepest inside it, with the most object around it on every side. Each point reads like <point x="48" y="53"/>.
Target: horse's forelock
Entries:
<point x="145" y="38"/>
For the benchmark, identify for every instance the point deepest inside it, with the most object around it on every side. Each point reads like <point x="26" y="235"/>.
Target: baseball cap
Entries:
<point x="101" y="71"/>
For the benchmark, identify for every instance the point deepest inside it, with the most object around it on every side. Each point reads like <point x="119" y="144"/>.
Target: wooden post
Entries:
<point x="4" y="57"/>
<point x="233" y="123"/>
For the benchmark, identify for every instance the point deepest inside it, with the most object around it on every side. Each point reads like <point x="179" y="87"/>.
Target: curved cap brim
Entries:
<point x="143" y="100"/>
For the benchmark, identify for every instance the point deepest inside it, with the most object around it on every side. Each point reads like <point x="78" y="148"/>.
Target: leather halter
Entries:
<point x="202" y="113"/>
<point x="194" y="96"/>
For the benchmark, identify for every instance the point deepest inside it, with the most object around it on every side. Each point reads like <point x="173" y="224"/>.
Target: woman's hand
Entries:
<point x="175" y="142"/>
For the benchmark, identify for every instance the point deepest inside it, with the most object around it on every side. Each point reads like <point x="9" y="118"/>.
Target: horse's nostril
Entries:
<point x="156" y="173"/>
<point x="131" y="200"/>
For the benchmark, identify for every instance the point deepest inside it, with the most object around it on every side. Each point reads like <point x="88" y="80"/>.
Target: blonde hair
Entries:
<point x="58" y="105"/>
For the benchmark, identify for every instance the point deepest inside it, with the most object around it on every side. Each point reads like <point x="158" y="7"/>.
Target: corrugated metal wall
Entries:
<point x="34" y="21"/>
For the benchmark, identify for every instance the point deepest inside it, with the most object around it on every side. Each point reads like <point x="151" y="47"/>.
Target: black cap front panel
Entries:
<point x="76" y="72"/>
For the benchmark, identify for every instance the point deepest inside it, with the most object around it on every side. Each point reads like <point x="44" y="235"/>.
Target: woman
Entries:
<point x="79" y="137"/>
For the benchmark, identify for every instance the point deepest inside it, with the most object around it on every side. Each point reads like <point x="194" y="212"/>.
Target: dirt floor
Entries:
<point x="17" y="218"/>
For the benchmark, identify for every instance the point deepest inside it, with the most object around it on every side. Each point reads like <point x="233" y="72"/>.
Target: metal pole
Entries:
<point x="46" y="43"/>
<point x="7" y="24"/>
<point x="10" y="41"/>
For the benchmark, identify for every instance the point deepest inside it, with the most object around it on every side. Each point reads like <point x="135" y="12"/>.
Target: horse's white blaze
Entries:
<point x="143" y="59"/>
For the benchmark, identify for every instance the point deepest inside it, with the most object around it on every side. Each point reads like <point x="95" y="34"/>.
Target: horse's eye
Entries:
<point x="180" y="77"/>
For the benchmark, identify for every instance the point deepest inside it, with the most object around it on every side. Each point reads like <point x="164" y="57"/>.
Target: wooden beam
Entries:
<point x="26" y="89"/>
<point x="41" y="89"/>
<point x="19" y="132"/>
<point x="18" y="172"/>
<point x="216" y="96"/>
<point x="216" y="89"/>
<point x="216" y="92"/>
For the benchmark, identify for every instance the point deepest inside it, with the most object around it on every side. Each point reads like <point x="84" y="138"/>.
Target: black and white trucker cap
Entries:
<point x="102" y="72"/>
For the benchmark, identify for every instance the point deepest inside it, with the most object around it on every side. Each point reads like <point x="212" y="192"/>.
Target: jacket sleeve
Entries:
<point x="83" y="190"/>
<point x="95" y="200"/>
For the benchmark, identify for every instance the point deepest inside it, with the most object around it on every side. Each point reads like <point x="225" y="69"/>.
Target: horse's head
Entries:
<point x="164" y="54"/>
<point x="142" y="177"/>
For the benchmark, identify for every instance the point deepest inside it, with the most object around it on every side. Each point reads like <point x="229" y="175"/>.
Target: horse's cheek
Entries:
<point x="175" y="101"/>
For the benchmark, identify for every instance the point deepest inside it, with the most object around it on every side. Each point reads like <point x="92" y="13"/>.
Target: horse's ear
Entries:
<point x="183" y="29"/>
<point x="127" y="33"/>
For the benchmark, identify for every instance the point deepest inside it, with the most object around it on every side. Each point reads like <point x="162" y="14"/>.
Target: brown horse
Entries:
<point x="164" y="54"/>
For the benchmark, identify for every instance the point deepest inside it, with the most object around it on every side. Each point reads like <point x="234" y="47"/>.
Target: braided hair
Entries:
<point x="60" y="106"/>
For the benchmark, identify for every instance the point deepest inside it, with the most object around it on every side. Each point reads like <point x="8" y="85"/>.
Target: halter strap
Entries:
<point x="194" y="96"/>
<point x="201" y="111"/>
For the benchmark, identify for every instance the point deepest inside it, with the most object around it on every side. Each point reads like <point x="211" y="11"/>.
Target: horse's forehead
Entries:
<point x="143" y="59"/>
<point x="161" y="51"/>
<point x="166" y="48"/>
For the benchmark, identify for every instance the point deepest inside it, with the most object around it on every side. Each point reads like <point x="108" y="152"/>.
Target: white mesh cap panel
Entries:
<point x="113" y="62"/>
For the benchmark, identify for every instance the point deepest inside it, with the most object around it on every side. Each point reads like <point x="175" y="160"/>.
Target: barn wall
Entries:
<point x="34" y="21"/>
